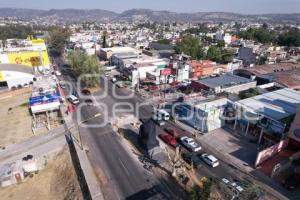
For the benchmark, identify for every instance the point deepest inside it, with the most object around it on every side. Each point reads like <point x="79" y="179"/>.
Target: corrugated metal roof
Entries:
<point x="226" y="80"/>
<point x="276" y="105"/>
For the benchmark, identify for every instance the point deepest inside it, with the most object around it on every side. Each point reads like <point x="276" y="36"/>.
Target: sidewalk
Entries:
<point x="87" y="169"/>
<point x="37" y="146"/>
<point x="266" y="183"/>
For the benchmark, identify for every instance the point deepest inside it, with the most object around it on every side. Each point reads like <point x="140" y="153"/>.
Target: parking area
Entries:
<point x="240" y="152"/>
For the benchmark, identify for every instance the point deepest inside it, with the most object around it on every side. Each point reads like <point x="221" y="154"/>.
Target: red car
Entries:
<point x="173" y="132"/>
<point x="153" y="88"/>
<point x="168" y="139"/>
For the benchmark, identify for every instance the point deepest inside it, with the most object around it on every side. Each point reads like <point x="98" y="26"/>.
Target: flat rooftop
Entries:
<point x="210" y="105"/>
<point x="224" y="81"/>
<point x="275" y="105"/>
<point x="267" y="69"/>
<point x="119" y="49"/>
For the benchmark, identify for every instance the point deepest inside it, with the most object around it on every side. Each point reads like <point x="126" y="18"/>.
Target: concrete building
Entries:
<point x="224" y="83"/>
<point x="14" y="76"/>
<point x="25" y="52"/>
<point x="268" y="115"/>
<point x="106" y="53"/>
<point x="200" y="68"/>
<point x="247" y="56"/>
<point x="204" y="116"/>
<point x="180" y="70"/>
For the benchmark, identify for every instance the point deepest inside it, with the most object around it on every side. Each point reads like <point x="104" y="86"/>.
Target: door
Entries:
<point x="18" y="178"/>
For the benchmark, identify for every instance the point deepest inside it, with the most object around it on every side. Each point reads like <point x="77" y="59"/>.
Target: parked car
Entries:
<point x="86" y="92"/>
<point x="119" y="85"/>
<point x="291" y="182"/>
<point x="57" y="73"/>
<point x="89" y="102"/>
<point x="153" y="88"/>
<point x="192" y="159"/>
<point x="210" y="160"/>
<point x="168" y="139"/>
<point x="225" y="181"/>
<point x="114" y="79"/>
<point x="172" y="131"/>
<point x="190" y="144"/>
<point x="73" y="99"/>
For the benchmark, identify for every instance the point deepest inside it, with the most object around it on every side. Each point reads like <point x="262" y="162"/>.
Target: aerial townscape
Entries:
<point x="149" y="100"/>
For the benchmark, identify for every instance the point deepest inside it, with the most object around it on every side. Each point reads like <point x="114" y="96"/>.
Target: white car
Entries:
<point x="57" y="73"/>
<point x="73" y="99"/>
<point x="190" y="144"/>
<point x="226" y="181"/>
<point x="210" y="160"/>
<point x="239" y="189"/>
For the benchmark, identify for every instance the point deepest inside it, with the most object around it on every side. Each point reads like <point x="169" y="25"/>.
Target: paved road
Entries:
<point x="120" y="175"/>
<point x="124" y="178"/>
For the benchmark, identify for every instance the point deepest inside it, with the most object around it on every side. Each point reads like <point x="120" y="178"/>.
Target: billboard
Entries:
<point x="38" y="100"/>
<point x="1" y="76"/>
<point x="30" y="59"/>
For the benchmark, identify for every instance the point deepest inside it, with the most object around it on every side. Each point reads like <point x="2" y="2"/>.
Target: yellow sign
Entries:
<point x="29" y="58"/>
<point x="38" y="41"/>
<point x="1" y="76"/>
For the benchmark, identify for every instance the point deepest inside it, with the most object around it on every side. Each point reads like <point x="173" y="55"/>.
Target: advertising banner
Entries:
<point x="165" y="72"/>
<point x="38" y="100"/>
<point x="29" y="58"/>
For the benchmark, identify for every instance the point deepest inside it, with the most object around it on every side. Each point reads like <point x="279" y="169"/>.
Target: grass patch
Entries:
<point x="24" y="104"/>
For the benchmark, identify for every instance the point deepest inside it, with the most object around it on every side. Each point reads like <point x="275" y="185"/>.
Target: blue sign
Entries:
<point x="44" y="99"/>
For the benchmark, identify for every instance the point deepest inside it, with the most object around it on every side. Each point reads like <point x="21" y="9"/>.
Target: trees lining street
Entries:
<point x="86" y="66"/>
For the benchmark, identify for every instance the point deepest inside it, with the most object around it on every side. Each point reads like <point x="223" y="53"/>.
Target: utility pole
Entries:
<point x="79" y="140"/>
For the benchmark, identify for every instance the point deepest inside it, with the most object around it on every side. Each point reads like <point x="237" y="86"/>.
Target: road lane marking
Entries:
<point x="126" y="170"/>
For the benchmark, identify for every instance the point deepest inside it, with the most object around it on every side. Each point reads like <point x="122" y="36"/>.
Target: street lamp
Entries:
<point x="79" y="140"/>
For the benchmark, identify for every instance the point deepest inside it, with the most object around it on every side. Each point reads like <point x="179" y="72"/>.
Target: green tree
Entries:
<point x="214" y="53"/>
<point x="195" y="193"/>
<point x="164" y="41"/>
<point x="237" y="26"/>
<point x="104" y="43"/>
<point x="58" y="38"/>
<point x="291" y="38"/>
<point x="191" y="46"/>
<point x="203" y="193"/>
<point x="206" y="190"/>
<point x="202" y="28"/>
<point x="221" y="43"/>
<point x="85" y="66"/>
<point x="16" y="32"/>
<point x="250" y="192"/>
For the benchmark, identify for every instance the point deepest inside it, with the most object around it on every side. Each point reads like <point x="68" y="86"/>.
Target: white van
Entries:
<point x="210" y="160"/>
<point x="161" y="114"/>
<point x="73" y="99"/>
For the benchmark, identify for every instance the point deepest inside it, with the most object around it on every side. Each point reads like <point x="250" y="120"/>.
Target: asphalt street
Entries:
<point x="124" y="178"/>
<point x="120" y="175"/>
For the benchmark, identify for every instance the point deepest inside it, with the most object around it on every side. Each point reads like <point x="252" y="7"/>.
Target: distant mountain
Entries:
<point x="77" y="15"/>
<point x="64" y="15"/>
<point x="205" y="16"/>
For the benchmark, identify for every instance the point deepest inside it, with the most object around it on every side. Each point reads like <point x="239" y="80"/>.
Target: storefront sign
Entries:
<point x="165" y="72"/>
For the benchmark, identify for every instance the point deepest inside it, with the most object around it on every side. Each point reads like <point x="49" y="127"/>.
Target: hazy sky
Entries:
<point x="238" y="6"/>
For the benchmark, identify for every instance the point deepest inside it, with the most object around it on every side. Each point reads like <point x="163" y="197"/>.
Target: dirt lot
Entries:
<point x="16" y="120"/>
<point x="56" y="181"/>
<point x="15" y="123"/>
